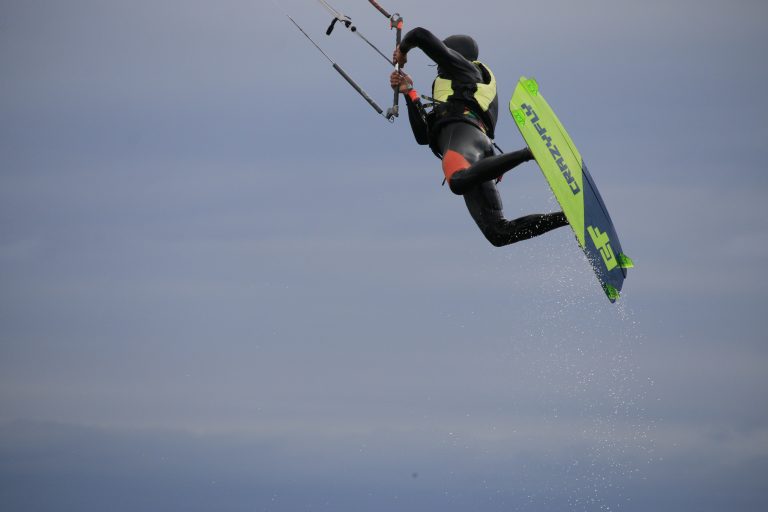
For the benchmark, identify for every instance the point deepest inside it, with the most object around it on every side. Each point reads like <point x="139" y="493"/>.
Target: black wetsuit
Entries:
<point x="456" y="132"/>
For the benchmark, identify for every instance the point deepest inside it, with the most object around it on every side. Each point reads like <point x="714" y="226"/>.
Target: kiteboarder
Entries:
<point x="460" y="130"/>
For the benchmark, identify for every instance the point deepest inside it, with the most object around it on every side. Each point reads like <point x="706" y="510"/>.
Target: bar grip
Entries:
<point x="395" y="110"/>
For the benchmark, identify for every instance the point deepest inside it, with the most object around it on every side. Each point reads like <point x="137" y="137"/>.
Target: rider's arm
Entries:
<point x="417" y="117"/>
<point x="449" y="62"/>
<point x="416" y="114"/>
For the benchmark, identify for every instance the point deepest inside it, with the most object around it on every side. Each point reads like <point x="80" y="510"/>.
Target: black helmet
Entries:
<point x="464" y="45"/>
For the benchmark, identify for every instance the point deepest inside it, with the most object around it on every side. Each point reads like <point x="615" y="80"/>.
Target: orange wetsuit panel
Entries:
<point x="452" y="163"/>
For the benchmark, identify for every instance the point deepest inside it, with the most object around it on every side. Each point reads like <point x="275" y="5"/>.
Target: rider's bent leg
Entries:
<point x="471" y="169"/>
<point x="468" y="160"/>
<point x="484" y="204"/>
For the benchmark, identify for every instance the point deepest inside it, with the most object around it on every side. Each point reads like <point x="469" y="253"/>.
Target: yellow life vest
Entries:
<point x="442" y="90"/>
<point x="482" y="94"/>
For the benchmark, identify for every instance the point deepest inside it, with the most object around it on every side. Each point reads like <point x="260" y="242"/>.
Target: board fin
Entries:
<point x="611" y="292"/>
<point x="625" y="261"/>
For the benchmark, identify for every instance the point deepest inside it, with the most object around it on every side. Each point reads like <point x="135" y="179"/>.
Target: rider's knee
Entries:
<point x="495" y="235"/>
<point x="456" y="187"/>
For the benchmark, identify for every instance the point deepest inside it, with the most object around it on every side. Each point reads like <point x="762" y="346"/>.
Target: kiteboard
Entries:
<point x="572" y="185"/>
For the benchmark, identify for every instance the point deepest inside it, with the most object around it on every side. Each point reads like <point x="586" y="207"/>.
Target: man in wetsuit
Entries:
<point x="460" y="129"/>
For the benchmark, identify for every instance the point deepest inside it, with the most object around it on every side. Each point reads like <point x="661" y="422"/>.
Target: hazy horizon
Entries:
<point x="227" y="284"/>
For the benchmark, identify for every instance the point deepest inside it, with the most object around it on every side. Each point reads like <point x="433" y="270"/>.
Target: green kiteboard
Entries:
<point x="573" y="186"/>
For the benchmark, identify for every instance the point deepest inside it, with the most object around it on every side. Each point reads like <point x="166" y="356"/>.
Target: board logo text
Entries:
<point x="603" y="244"/>
<point x="553" y="150"/>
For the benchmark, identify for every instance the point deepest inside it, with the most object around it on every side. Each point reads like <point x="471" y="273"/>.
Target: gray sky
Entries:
<point x="226" y="284"/>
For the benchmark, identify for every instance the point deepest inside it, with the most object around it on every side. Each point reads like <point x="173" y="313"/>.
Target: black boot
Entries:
<point x="555" y="219"/>
<point x="528" y="154"/>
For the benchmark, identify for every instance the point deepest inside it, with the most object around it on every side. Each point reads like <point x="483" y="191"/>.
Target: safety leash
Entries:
<point x="341" y="71"/>
<point x="395" y="22"/>
<point x="345" y="20"/>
